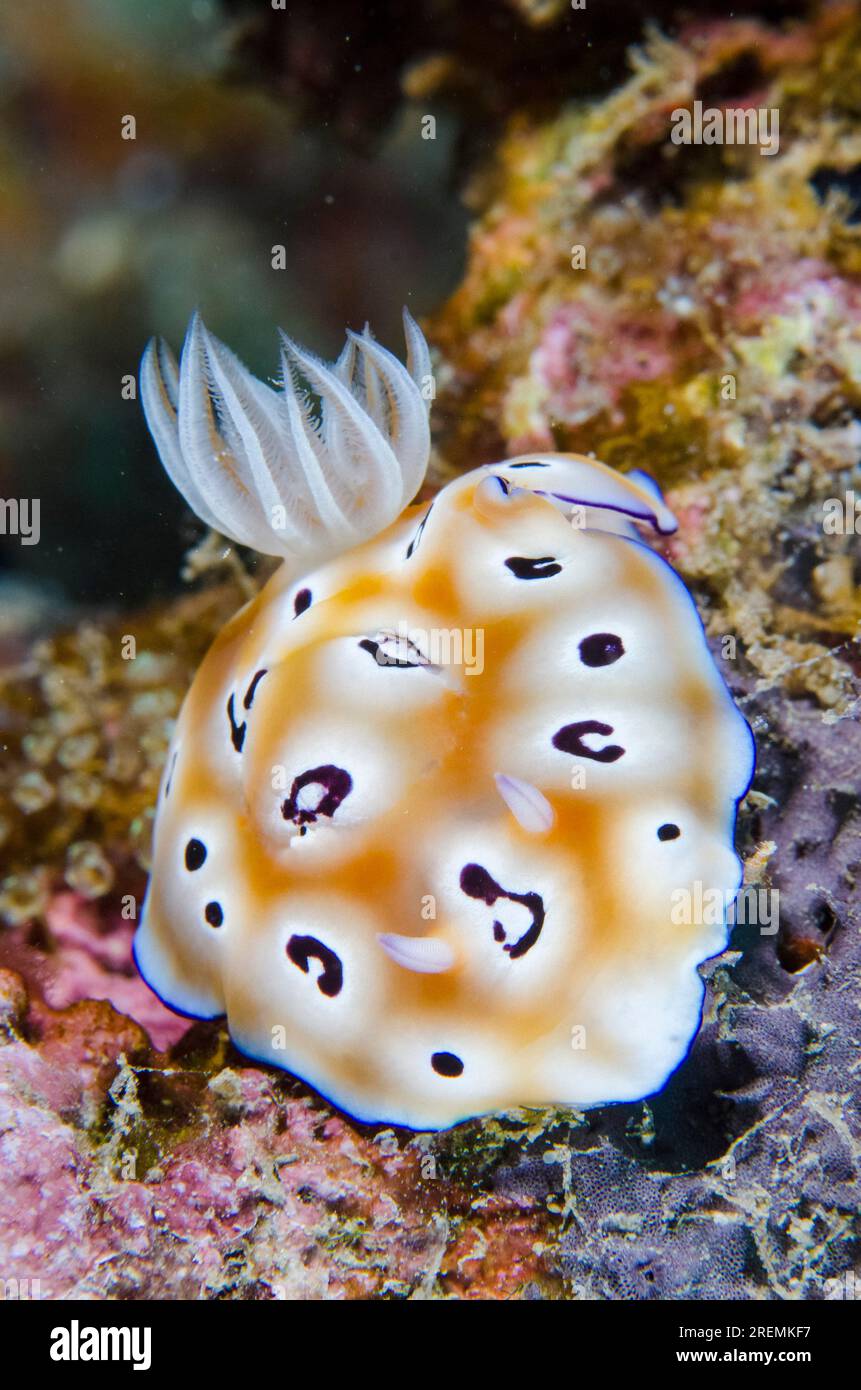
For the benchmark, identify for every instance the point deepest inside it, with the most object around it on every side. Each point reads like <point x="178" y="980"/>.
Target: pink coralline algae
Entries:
<point x="590" y="353"/>
<point x="91" y="959"/>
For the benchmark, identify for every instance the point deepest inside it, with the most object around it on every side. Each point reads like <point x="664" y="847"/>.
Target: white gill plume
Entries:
<point x="304" y="472"/>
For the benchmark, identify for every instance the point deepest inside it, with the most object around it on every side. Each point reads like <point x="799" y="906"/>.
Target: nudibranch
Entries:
<point x="435" y="792"/>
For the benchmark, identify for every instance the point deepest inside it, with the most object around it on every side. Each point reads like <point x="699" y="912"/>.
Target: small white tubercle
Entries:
<point x="426" y="955"/>
<point x="527" y="804"/>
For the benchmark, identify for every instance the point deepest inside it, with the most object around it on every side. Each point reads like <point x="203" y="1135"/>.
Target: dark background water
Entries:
<point x="104" y="241"/>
